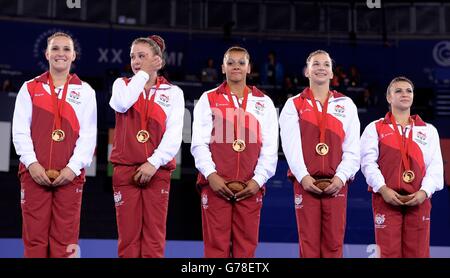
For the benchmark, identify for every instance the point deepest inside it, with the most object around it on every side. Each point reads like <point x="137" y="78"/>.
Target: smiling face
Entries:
<point x="319" y="69"/>
<point x="236" y="66"/>
<point x="60" y="53"/>
<point x="400" y="95"/>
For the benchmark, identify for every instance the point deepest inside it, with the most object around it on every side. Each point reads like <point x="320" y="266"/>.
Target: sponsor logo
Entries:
<point x="305" y="110"/>
<point x="298" y="201"/>
<point x="118" y="198"/>
<point x="379" y="221"/>
<point x="259" y="106"/>
<point x="74" y="97"/>
<point x="421" y="135"/>
<point x="382" y="135"/>
<point x="339" y="111"/>
<point x="222" y="104"/>
<point x="163" y="100"/>
<point x="22" y="196"/>
<point x="441" y="53"/>
<point x="204" y="201"/>
<point x="421" y="138"/>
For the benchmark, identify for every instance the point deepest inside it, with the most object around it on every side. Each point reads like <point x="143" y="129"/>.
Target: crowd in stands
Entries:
<point x="270" y="76"/>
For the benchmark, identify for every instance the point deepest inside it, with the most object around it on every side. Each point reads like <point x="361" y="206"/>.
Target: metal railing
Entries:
<point x="356" y="19"/>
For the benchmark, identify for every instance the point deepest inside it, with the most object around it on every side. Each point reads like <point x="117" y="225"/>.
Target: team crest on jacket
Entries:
<point x="259" y="107"/>
<point x="204" y="201"/>
<point x="339" y="110"/>
<point x="74" y="97"/>
<point x="379" y="221"/>
<point x="163" y="100"/>
<point x="22" y="196"/>
<point x="421" y="138"/>
<point x="118" y="198"/>
<point x="298" y="200"/>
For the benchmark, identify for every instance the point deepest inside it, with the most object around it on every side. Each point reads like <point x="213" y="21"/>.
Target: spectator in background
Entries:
<point x="354" y="78"/>
<point x="338" y="77"/>
<point x="209" y="73"/>
<point x="272" y="72"/>
<point x="365" y="99"/>
<point x="289" y="90"/>
<point x="253" y="77"/>
<point x="7" y="86"/>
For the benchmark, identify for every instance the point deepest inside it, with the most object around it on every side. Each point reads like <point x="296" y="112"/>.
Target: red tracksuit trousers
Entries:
<point x="230" y="229"/>
<point x="141" y="213"/>
<point x="320" y="222"/>
<point x="402" y="231"/>
<point x="51" y="218"/>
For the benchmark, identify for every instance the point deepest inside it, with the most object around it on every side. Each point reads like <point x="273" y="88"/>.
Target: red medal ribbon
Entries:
<point x="237" y="122"/>
<point x="58" y="111"/>
<point x="403" y="148"/>
<point x="321" y="118"/>
<point x="144" y="116"/>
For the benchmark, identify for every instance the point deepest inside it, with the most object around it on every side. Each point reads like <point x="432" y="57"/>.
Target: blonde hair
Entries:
<point x="156" y="44"/>
<point x="399" y="79"/>
<point x="314" y="53"/>
<point x="61" y="34"/>
<point x="58" y="34"/>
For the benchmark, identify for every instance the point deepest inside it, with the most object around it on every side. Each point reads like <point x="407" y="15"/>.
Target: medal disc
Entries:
<point x="58" y="135"/>
<point x="322" y="149"/>
<point x="408" y="176"/>
<point x="142" y="136"/>
<point x="238" y="145"/>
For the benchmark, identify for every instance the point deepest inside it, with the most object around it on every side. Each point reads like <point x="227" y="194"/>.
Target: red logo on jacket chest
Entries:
<point x="74" y="95"/>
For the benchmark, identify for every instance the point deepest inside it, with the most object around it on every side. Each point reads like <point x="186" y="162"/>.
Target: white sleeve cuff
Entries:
<point x="28" y="160"/>
<point x="75" y="168"/>
<point x="343" y="178"/>
<point x="153" y="160"/>
<point x="376" y="188"/>
<point x="428" y="188"/>
<point x="143" y="74"/>
<point x="208" y="171"/>
<point x="377" y="184"/>
<point x="260" y="180"/>
<point x="299" y="176"/>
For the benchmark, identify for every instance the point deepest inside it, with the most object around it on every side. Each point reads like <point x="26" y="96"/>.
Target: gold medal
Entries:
<point x="408" y="176"/>
<point x="58" y="135"/>
<point x="238" y="145"/>
<point x="142" y="136"/>
<point x="322" y="149"/>
<point x="52" y="174"/>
